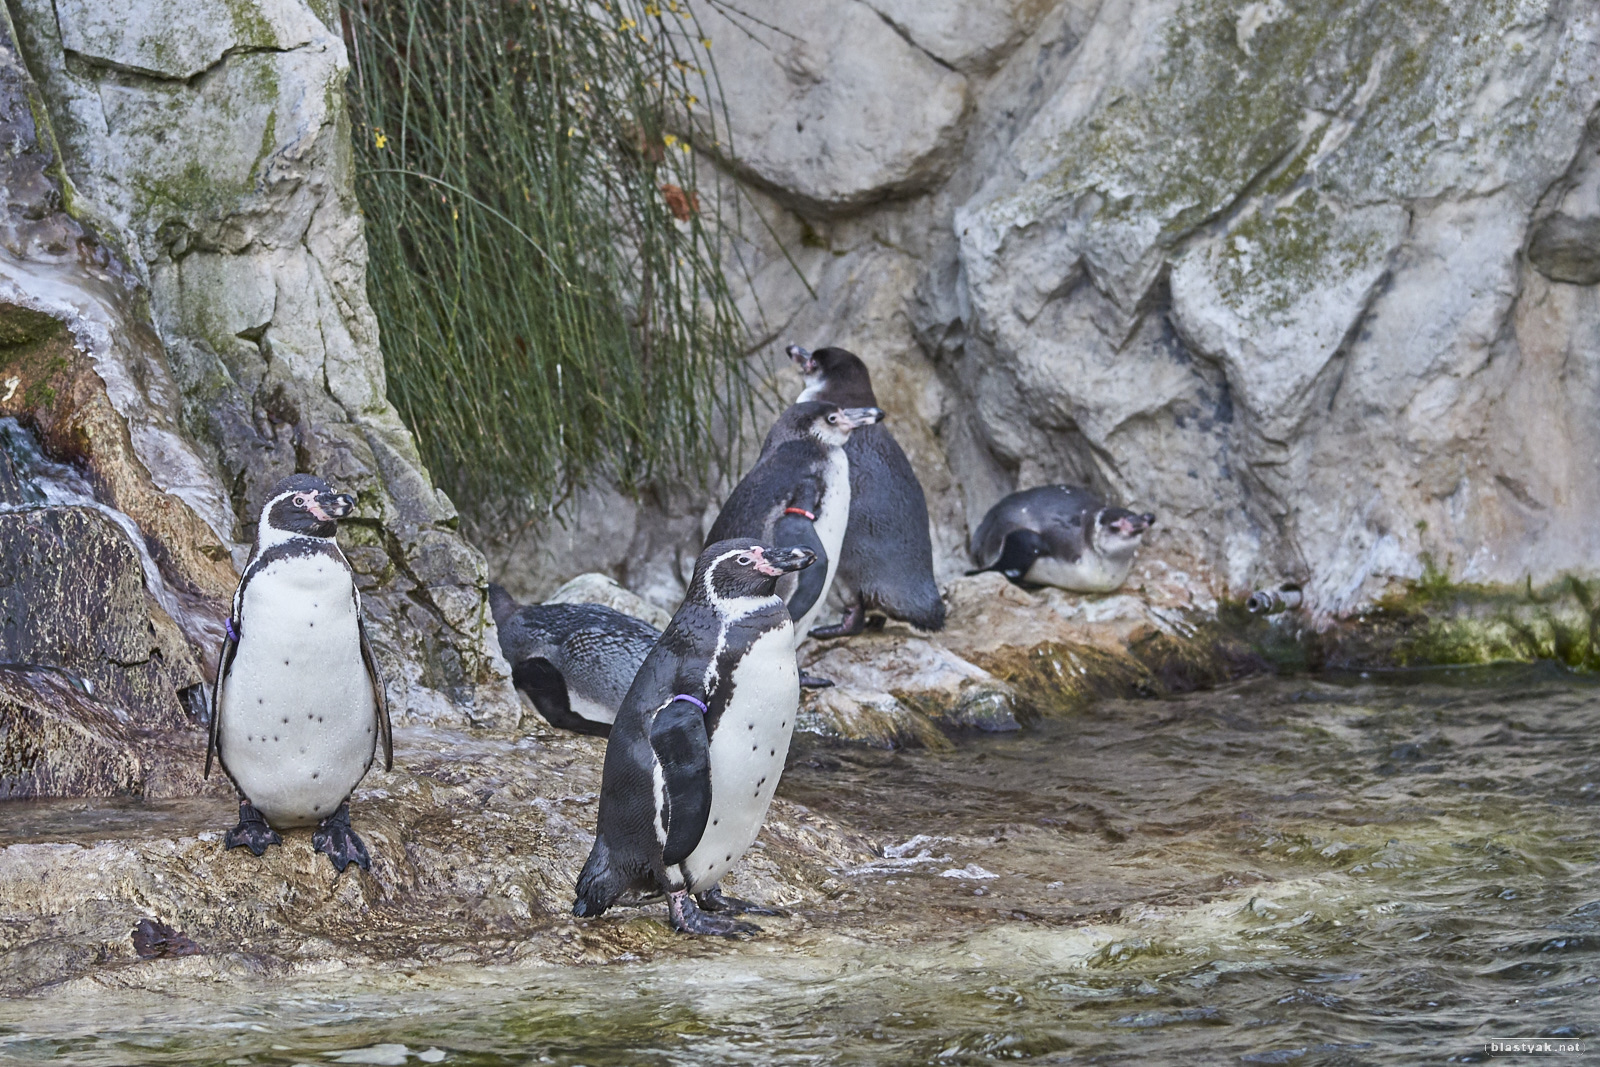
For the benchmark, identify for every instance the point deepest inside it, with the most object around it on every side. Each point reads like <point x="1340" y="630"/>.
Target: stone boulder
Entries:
<point x="830" y="106"/>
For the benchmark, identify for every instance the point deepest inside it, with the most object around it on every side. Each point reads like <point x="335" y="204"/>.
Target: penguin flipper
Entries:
<point x="225" y="655"/>
<point x="683" y="754"/>
<point x="812" y="583"/>
<point x="380" y="698"/>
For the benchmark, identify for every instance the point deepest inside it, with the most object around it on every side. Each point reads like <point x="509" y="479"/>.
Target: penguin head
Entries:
<point x="828" y="424"/>
<point x="303" y="505"/>
<point x="743" y="567"/>
<point x="1119" y="531"/>
<point x="834" y="375"/>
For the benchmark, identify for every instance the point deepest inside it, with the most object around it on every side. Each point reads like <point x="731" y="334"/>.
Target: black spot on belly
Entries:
<point x="309" y="716"/>
<point x="715" y="821"/>
<point x="729" y="857"/>
<point x="260" y="700"/>
<point x="754" y="747"/>
<point x="285" y="663"/>
<point x="286" y="718"/>
<point x="774" y="752"/>
<point x="316" y="774"/>
<point x="785" y="722"/>
<point x="317" y="808"/>
<point x="752" y="726"/>
<point x="274" y="737"/>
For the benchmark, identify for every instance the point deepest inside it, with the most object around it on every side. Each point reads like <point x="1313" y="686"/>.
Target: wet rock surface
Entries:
<point x="475" y="843"/>
<point x="72" y="597"/>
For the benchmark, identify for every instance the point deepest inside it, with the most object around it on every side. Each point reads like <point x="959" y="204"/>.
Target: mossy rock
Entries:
<point x="1060" y="678"/>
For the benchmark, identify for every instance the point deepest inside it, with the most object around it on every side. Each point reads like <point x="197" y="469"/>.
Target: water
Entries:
<point x="46" y="483"/>
<point x="1335" y="871"/>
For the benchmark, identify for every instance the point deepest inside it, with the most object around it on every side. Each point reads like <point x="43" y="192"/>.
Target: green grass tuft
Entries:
<point x="545" y="262"/>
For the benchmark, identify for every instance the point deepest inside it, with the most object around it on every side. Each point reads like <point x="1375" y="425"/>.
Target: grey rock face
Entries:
<point x="830" y="106"/>
<point x="1316" y="283"/>
<point x="209" y="142"/>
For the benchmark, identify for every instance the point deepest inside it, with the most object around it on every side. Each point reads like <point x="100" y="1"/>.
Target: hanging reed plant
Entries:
<point x="543" y="259"/>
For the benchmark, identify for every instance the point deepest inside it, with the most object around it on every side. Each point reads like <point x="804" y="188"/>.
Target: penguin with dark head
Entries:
<point x="886" y="562"/>
<point x="1060" y="535"/>
<point x="574" y="662"/>
<point x="798" y="493"/>
<point x="681" y="796"/>
<point x="298" y="710"/>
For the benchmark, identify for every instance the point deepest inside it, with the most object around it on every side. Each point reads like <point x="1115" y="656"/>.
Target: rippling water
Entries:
<point x="1338" y="871"/>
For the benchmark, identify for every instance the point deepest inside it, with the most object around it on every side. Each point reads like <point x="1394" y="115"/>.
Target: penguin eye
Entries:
<point x="300" y="500"/>
<point x="745" y="561"/>
<point x="834" y="419"/>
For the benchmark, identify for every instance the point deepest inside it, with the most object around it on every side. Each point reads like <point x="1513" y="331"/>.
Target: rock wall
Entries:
<point x="201" y="151"/>
<point x="1316" y="282"/>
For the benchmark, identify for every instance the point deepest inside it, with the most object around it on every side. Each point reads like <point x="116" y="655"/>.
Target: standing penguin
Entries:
<point x="298" y="709"/>
<point x="798" y="493"/>
<point x="575" y="662"/>
<point x="1060" y="535"/>
<point x="887" y="559"/>
<point x="681" y="799"/>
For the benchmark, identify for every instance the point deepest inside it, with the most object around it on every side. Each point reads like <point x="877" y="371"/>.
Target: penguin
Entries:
<point x="573" y="661"/>
<point x="681" y="798"/>
<point x="798" y="493"/>
<point x="887" y="559"/>
<point x="298" y="710"/>
<point x="1059" y="535"/>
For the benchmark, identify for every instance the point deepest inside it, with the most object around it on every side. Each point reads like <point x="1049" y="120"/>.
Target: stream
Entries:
<point x="1393" y="869"/>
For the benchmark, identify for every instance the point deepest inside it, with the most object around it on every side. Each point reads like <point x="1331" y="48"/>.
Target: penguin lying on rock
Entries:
<point x="886" y="561"/>
<point x="681" y="797"/>
<point x="798" y="493"/>
<point x="299" y="708"/>
<point x="1062" y="536"/>
<point x="575" y="662"/>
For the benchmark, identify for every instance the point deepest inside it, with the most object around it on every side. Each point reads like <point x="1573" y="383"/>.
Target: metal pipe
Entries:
<point x="1272" y="601"/>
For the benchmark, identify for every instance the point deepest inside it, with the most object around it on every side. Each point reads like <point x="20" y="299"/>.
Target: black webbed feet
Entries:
<point x="339" y="843"/>
<point x="854" y="621"/>
<point x="714" y="899"/>
<point x="689" y="919"/>
<point x="252" y="832"/>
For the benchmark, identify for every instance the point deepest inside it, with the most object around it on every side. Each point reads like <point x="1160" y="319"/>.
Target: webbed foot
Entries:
<point x="854" y="621"/>
<point x="339" y="843"/>
<point x="714" y="899"/>
<point x="252" y="832"/>
<point x="688" y="919"/>
<point x="811" y="681"/>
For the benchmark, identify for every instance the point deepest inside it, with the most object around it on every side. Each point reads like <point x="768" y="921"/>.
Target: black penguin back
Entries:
<point x="887" y="556"/>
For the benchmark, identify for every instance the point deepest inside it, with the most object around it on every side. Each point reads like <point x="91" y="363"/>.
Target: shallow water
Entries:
<point x="1332" y="871"/>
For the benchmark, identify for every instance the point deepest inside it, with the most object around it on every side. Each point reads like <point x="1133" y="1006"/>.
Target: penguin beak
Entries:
<point x="854" y="417"/>
<point x="339" y="506"/>
<point x="1134" y="525"/>
<point x="782" y="560"/>
<point x="803" y="359"/>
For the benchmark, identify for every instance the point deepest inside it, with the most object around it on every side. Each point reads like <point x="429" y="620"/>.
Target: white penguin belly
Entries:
<point x="746" y="755"/>
<point x="833" y="515"/>
<point x="298" y="723"/>
<point x="589" y="708"/>
<point x="1090" y="573"/>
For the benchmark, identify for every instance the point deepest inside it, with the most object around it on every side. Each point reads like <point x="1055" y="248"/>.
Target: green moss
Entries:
<point x="1279" y="254"/>
<point x="20" y="325"/>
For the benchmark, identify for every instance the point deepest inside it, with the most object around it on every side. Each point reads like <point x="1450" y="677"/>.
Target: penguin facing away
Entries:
<point x="575" y="662"/>
<point x="886" y="561"/>
<point x="681" y="797"/>
<point x="299" y="707"/>
<point x="798" y="493"/>
<point x="1062" y="536"/>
